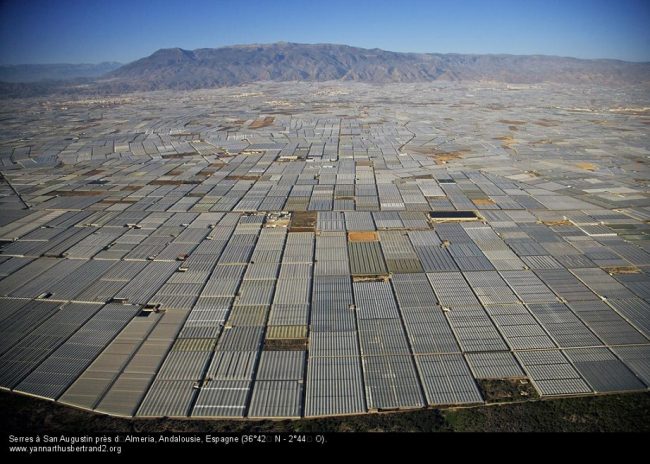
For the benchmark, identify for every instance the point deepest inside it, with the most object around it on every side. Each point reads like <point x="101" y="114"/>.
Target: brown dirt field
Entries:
<point x="619" y="270"/>
<point x="174" y="182"/>
<point x="364" y="236"/>
<point x="78" y="193"/>
<point x="180" y="155"/>
<point x="252" y="177"/>
<point x="508" y="390"/>
<point x="370" y="278"/>
<point x="296" y="344"/>
<point x="587" y="166"/>
<point x="511" y="123"/>
<point x="507" y="141"/>
<point x="440" y="157"/>
<point x="546" y="123"/>
<point x="483" y="201"/>
<point x="303" y="221"/>
<point x="111" y="201"/>
<point x="448" y="156"/>
<point x="259" y="123"/>
<point x="563" y="222"/>
<point x="534" y="143"/>
<point x="438" y="154"/>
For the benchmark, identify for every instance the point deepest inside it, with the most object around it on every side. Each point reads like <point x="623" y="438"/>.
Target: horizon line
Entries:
<point x="235" y="45"/>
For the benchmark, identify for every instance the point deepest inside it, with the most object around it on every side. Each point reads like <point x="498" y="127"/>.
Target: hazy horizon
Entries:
<point x="91" y="63"/>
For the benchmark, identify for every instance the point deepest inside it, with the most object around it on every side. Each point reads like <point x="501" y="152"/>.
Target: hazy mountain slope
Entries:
<point x="185" y="69"/>
<point x="217" y="67"/>
<point x="62" y="71"/>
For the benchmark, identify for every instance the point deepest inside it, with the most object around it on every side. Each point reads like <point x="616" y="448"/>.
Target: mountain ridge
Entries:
<point x="177" y="68"/>
<point x="181" y="69"/>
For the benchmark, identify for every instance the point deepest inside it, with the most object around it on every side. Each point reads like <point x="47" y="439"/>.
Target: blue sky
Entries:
<point x="91" y="31"/>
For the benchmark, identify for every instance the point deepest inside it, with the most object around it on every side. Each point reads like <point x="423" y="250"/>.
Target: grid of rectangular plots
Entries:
<point x="19" y="317"/>
<point x="91" y="245"/>
<point x="38" y="285"/>
<point x="366" y="258"/>
<point x="398" y="252"/>
<point x="177" y="384"/>
<point x="331" y="255"/>
<point x="359" y="221"/>
<point x="518" y="327"/>
<point x="52" y="377"/>
<point x="566" y="329"/>
<point x="25" y="225"/>
<point x="469" y="321"/>
<point x="90" y="387"/>
<point x="226" y="385"/>
<point x="603" y="370"/>
<point x="182" y="289"/>
<point x="391" y="379"/>
<point x="602" y="284"/>
<point x="494" y="365"/>
<point x="425" y="323"/>
<point x="528" y="287"/>
<point x="153" y="233"/>
<point x="145" y="284"/>
<point x="59" y="237"/>
<point x="444" y="376"/>
<point x="218" y="276"/>
<point x="552" y="373"/>
<point x="601" y="318"/>
<point x="9" y="265"/>
<point x="68" y="286"/>
<point x="639" y="283"/>
<point x="111" y="282"/>
<point x="634" y="310"/>
<point x="279" y="378"/>
<point x="467" y="255"/>
<point x="637" y="359"/>
<point x="433" y="256"/>
<point x="334" y="376"/>
<point x="139" y="362"/>
<point x="606" y="323"/>
<point x="145" y="207"/>
<point x="278" y="387"/>
<point x="39" y="342"/>
<point x="493" y="247"/>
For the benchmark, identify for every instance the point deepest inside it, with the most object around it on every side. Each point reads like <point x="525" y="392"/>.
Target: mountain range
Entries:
<point x="179" y="69"/>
